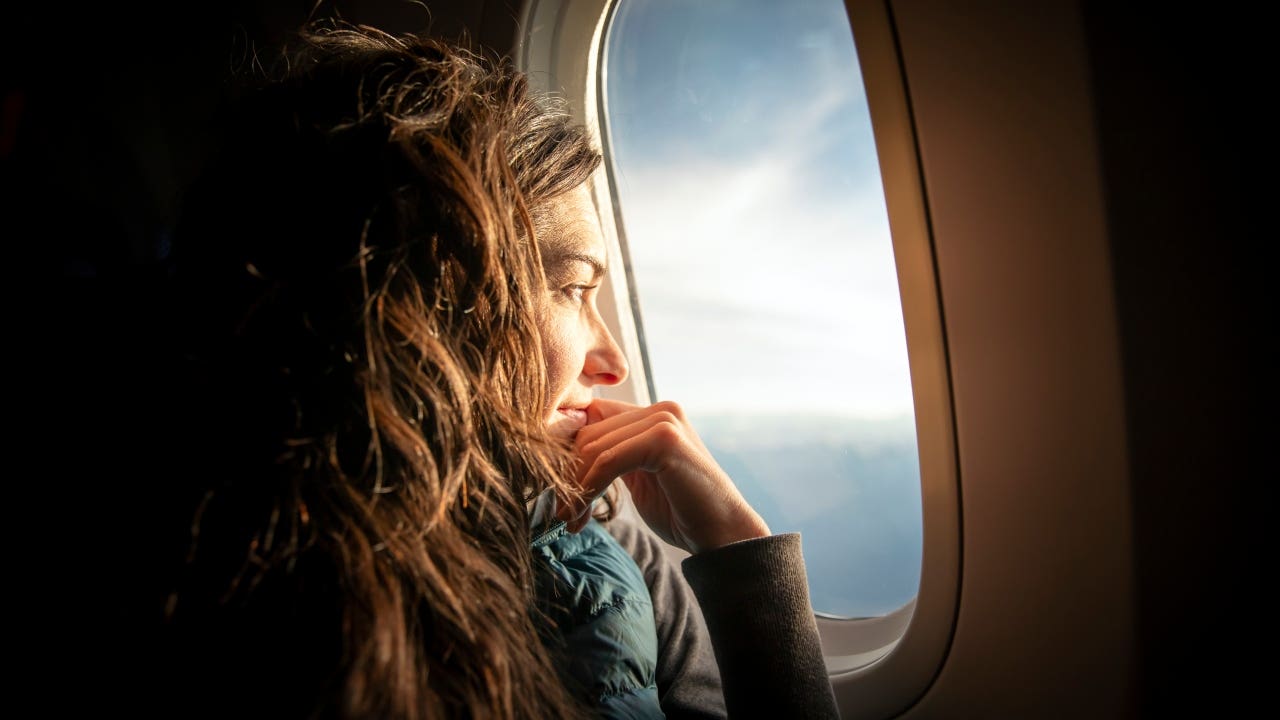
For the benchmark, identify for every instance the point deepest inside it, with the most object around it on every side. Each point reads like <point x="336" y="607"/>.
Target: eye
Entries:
<point x="577" y="293"/>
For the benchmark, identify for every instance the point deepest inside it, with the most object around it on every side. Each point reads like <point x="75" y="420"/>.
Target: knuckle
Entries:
<point x="672" y="408"/>
<point x="667" y="434"/>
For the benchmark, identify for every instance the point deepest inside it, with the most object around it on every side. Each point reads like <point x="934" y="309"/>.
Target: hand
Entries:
<point x="678" y="488"/>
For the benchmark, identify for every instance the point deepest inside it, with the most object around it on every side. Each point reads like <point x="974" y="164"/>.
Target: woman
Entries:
<point x="389" y="343"/>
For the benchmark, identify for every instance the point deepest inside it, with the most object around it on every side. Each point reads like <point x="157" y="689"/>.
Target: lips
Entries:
<point x="578" y="415"/>
<point x="567" y="421"/>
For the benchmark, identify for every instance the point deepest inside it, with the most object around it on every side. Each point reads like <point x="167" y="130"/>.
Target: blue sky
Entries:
<point x="753" y="209"/>
<point x="759" y="244"/>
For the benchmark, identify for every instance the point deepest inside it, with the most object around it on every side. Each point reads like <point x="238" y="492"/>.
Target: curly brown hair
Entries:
<point x="360" y="285"/>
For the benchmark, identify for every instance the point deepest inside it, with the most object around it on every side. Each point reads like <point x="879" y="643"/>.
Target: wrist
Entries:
<point x="748" y="526"/>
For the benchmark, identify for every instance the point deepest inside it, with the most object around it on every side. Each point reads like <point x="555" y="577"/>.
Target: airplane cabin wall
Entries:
<point x="1096" y="226"/>
<point x="1000" y="98"/>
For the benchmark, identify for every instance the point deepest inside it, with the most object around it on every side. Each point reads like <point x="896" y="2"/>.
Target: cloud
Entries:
<point x="751" y="201"/>
<point x="761" y="288"/>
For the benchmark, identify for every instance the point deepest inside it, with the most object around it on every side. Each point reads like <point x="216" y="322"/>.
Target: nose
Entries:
<point x="605" y="364"/>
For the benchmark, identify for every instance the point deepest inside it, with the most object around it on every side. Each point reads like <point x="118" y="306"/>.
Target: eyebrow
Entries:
<point x="561" y="258"/>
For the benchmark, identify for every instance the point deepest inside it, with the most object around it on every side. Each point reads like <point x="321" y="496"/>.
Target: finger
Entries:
<point x="675" y="409"/>
<point x="603" y="408"/>
<point x="590" y="448"/>
<point x="607" y="411"/>
<point x="607" y="415"/>
<point x="631" y="414"/>
<point x="568" y="509"/>
<point x="641" y="451"/>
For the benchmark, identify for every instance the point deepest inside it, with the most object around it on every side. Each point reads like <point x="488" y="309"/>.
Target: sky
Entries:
<point x="753" y="210"/>
<point x="750" y="198"/>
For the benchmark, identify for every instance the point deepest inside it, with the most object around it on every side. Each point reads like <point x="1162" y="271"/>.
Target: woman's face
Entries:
<point x="578" y="348"/>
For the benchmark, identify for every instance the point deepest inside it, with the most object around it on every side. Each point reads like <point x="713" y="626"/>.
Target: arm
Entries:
<point x="750" y="584"/>
<point x="755" y="597"/>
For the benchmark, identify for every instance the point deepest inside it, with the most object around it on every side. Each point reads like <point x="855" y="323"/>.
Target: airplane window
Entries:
<point x="750" y="199"/>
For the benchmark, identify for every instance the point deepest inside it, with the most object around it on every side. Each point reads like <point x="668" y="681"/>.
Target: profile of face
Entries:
<point x="579" y="350"/>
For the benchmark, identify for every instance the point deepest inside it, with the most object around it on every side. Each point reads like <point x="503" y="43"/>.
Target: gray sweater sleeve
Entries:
<point x="755" y="599"/>
<point x="688" y="679"/>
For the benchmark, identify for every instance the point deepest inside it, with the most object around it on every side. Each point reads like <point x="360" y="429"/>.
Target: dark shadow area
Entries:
<point x="1180" y="94"/>
<point x="110" y="112"/>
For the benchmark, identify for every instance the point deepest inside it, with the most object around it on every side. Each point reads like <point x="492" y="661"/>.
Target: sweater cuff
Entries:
<point x="754" y="596"/>
<point x="779" y="556"/>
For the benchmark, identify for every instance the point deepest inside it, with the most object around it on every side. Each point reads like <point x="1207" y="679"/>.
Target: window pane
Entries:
<point x="750" y="195"/>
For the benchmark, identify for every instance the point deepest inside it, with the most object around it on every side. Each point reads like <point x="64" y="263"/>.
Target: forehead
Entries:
<point x="571" y="229"/>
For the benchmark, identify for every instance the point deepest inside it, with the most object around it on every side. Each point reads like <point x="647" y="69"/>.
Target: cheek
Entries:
<point x="563" y="353"/>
